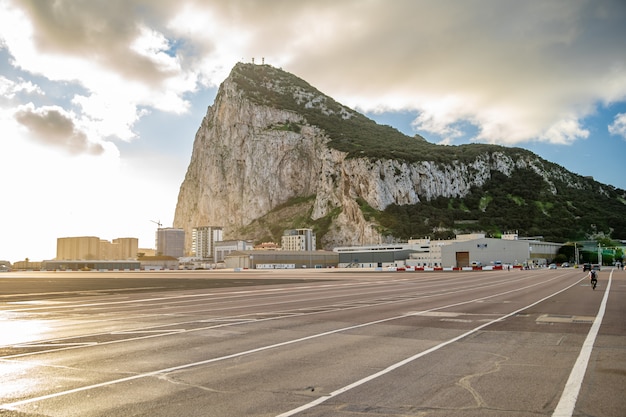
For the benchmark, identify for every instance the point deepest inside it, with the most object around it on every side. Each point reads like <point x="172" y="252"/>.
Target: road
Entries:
<point x="317" y="343"/>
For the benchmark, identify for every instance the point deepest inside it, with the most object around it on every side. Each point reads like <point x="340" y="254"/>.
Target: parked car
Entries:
<point x="552" y="266"/>
<point x="565" y="265"/>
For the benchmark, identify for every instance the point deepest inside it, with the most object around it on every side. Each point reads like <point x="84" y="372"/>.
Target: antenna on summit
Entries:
<point x="253" y="60"/>
<point x="263" y="61"/>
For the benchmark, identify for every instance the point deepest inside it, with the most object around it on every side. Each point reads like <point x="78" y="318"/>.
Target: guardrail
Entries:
<point x="466" y="268"/>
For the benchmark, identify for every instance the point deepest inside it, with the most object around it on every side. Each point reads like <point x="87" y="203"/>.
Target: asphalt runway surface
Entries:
<point x="340" y="343"/>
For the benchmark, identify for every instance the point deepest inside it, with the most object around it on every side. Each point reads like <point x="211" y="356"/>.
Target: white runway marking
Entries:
<point x="567" y="403"/>
<point x="15" y="404"/>
<point x="397" y="365"/>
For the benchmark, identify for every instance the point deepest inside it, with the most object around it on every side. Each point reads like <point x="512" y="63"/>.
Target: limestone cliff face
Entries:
<point x="244" y="163"/>
<point x="249" y="158"/>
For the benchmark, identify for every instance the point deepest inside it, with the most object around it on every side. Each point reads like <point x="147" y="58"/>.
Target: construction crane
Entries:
<point x="158" y="223"/>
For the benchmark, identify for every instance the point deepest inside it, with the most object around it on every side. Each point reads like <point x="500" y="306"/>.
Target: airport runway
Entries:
<point x="333" y="343"/>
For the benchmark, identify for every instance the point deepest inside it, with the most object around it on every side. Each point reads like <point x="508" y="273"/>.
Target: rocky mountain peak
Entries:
<point x="273" y="152"/>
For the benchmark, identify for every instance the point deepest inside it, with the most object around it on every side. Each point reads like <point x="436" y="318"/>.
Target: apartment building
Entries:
<point x="298" y="240"/>
<point x="203" y="241"/>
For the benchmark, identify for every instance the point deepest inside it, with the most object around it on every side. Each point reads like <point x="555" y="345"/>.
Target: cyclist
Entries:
<point x="593" y="278"/>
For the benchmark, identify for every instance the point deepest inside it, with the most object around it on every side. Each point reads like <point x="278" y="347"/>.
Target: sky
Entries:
<point x="100" y="100"/>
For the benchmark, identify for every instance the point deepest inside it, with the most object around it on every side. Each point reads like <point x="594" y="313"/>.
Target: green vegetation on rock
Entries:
<point x="348" y="130"/>
<point x="523" y="201"/>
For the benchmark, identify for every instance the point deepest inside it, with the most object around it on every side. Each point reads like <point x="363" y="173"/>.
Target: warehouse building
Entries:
<point x="464" y="251"/>
<point x="273" y="259"/>
<point x="91" y="265"/>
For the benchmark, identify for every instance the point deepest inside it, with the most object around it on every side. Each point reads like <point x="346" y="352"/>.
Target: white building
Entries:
<point x="298" y="240"/>
<point x="203" y="240"/>
<point x="477" y="250"/>
<point x="225" y="247"/>
<point x="464" y="251"/>
<point x="383" y="255"/>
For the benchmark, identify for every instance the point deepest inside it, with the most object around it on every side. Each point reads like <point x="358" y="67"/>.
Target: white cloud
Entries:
<point x="10" y="88"/>
<point x="518" y="71"/>
<point x="440" y="115"/>
<point x="123" y="65"/>
<point x="618" y="127"/>
<point x="54" y="126"/>
<point x="565" y="131"/>
<point x="154" y="46"/>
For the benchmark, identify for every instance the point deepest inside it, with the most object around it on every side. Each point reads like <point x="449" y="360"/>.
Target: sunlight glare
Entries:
<point x="15" y="330"/>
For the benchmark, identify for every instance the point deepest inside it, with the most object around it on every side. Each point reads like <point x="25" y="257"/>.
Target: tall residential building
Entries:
<point x="203" y="240"/>
<point x="78" y="248"/>
<point x="298" y="240"/>
<point x="170" y="242"/>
